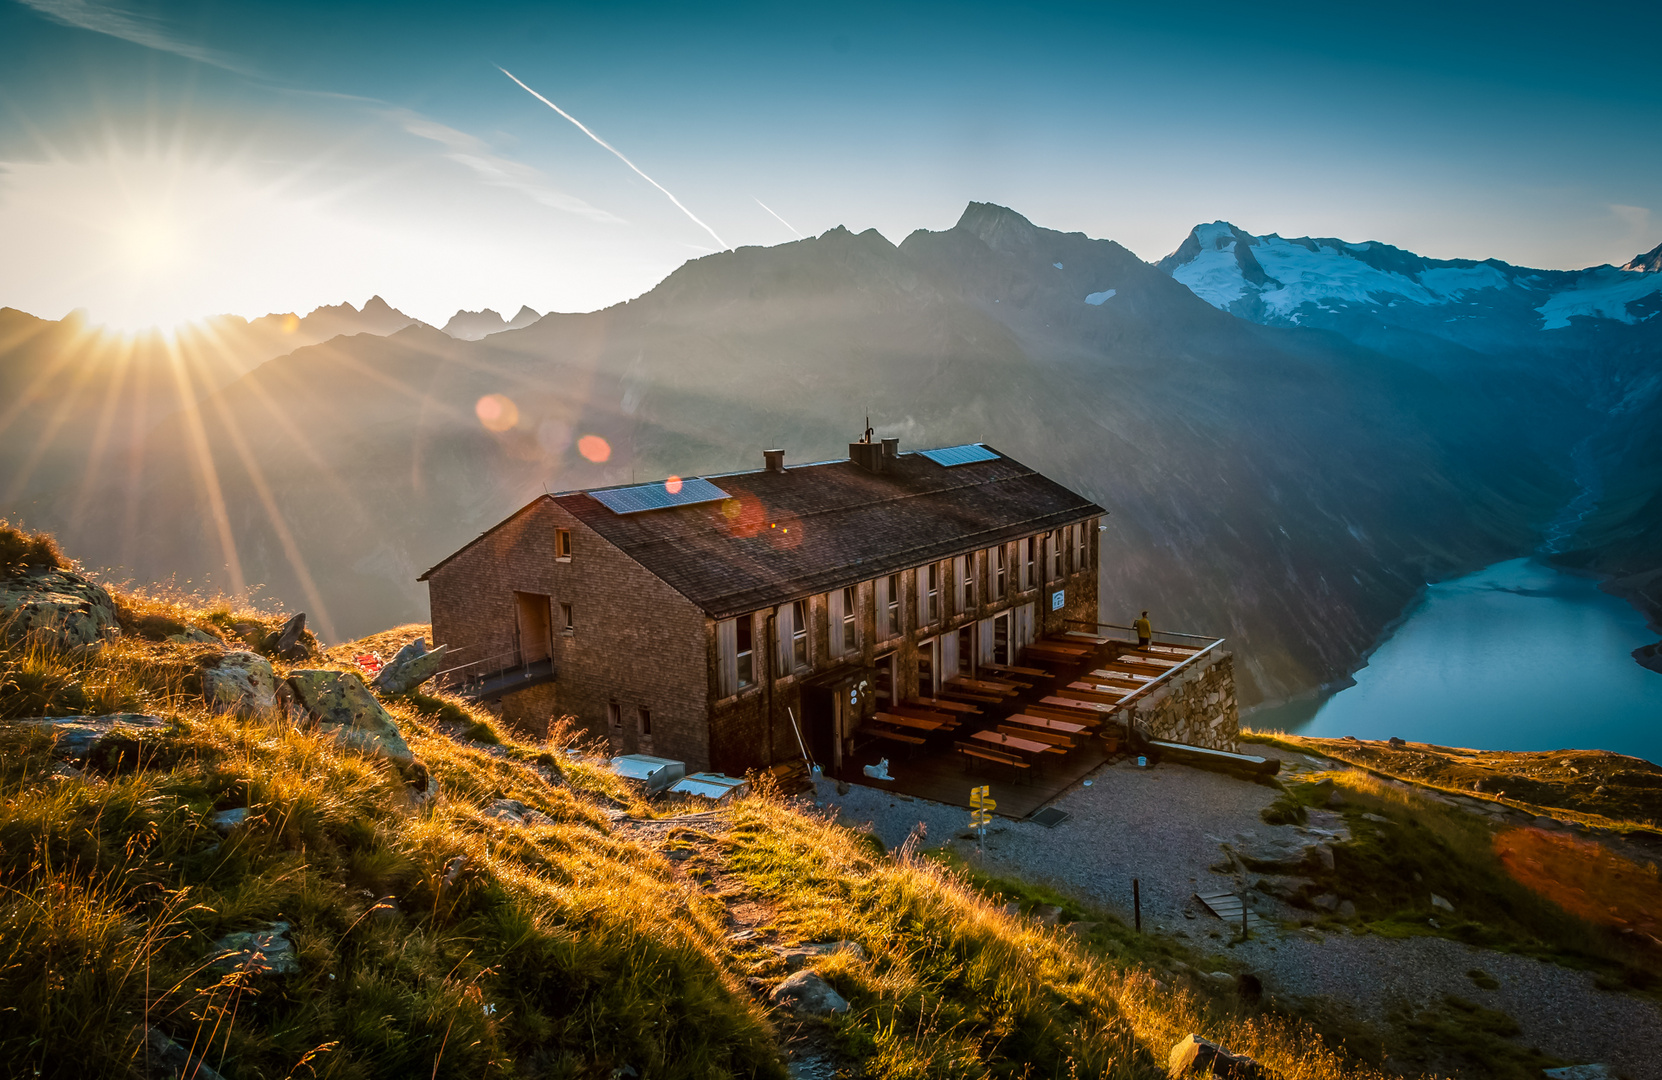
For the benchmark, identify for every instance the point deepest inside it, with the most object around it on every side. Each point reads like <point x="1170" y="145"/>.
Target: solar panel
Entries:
<point x="959" y="455"/>
<point x="659" y="496"/>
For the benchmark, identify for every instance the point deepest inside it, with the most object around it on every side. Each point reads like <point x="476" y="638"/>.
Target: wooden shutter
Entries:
<point x="727" y="654"/>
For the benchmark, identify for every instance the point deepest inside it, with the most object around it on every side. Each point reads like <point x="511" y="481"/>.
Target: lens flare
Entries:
<point x="673" y="485"/>
<point x="497" y="412"/>
<point x="594" y="448"/>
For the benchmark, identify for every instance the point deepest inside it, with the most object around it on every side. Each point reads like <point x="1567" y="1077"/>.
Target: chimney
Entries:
<point x="775" y="460"/>
<point x="891" y="448"/>
<point x="867" y="454"/>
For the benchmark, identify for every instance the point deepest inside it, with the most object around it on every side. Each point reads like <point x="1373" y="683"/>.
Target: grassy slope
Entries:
<point x="434" y="940"/>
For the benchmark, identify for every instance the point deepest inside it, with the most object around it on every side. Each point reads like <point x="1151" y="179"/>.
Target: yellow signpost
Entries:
<point x="981" y="812"/>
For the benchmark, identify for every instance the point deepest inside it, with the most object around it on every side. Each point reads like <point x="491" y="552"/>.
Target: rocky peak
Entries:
<point x="1648" y="263"/>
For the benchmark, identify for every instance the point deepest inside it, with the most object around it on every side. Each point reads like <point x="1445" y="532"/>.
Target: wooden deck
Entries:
<point x="939" y="773"/>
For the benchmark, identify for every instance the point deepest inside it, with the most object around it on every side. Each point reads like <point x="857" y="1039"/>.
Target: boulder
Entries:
<point x="1347" y="910"/>
<point x="95" y="738"/>
<point x="1580" y="1072"/>
<point x="798" y="956"/>
<point x="515" y="812"/>
<point x="1441" y="904"/>
<point x="1049" y="914"/>
<point x="289" y="643"/>
<point x="1197" y="1056"/>
<point x="1277" y="853"/>
<point x="409" y="668"/>
<point x="257" y="951"/>
<point x="240" y="682"/>
<point x="58" y="608"/>
<point x="341" y="705"/>
<point x="224" y="821"/>
<point x="807" y="994"/>
<point x="192" y="635"/>
<point x="175" y="1058"/>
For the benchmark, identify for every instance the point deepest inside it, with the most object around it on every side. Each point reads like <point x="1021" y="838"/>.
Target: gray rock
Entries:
<point x="340" y="703"/>
<point x="1440" y="903"/>
<point x="226" y="820"/>
<point x="81" y="738"/>
<point x="1195" y="1055"/>
<point x="175" y="1058"/>
<point x="257" y="951"/>
<point x="57" y="608"/>
<point x="194" y="635"/>
<point x="1581" y="1072"/>
<point x="1291" y="890"/>
<point x="1277" y="853"/>
<point x="1326" y="902"/>
<point x="1082" y="928"/>
<point x="807" y="994"/>
<point x="797" y="956"/>
<point x="409" y="668"/>
<point x="1049" y="914"/>
<point x="515" y="812"/>
<point x="1347" y="910"/>
<point x="240" y="682"/>
<point x="289" y="643"/>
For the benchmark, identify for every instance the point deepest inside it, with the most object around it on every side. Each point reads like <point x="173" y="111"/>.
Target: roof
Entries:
<point x="813" y="528"/>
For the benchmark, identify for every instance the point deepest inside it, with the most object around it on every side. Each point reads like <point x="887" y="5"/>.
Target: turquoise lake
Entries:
<point x="1517" y="656"/>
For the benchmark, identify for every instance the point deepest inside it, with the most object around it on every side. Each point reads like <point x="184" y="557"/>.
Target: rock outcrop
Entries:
<point x="1195" y="1056"/>
<point x="96" y="739"/>
<point x="257" y="951"/>
<point x="240" y="682"/>
<point x="59" y="608"/>
<point x="289" y="642"/>
<point x="341" y="705"/>
<point x="515" y="812"/>
<point x="409" y="668"/>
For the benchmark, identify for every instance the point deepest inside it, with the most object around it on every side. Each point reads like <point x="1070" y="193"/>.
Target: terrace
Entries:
<point x="1030" y="730"/>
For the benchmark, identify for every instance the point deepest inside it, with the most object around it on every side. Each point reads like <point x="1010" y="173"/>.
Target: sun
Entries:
<point x="150" y="242"/>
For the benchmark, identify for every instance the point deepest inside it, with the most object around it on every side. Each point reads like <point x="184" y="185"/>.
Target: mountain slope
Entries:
<point x="1280" y="486"/>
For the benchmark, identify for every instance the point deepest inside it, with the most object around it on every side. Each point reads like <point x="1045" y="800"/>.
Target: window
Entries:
<point x="562" y="545"/>
<point x="1029" y="562"/>
<point x="891" y="605"/>
<point x="1000" y="557"/>
<point x="926" y="668"/>
<point x="793" y="636"/>
<point x="932" y="594"/>
<point x="966" y="572"/>
<point x="566" y="623"/>
<point x="614" y="718"/>
<point x="744" y="653"/>
<point x="846" y="630"/>
<point x="966" y="650"/>
<point x="1082" y="554"/>
<point x="1067" y="542"/>
<point x="885" y="680"/>
<point x="643" y="716"/>
<point x="1055" y="541"/>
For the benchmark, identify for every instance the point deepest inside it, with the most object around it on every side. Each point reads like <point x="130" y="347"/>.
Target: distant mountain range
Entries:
<point x="1290" y="483"/>
<point x="1577" y="350"/>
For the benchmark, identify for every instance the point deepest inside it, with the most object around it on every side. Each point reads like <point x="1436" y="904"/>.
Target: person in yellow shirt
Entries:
<point x="1144" y="631"/>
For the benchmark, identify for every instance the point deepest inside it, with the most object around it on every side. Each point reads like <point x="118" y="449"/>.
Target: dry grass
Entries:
<point x="954" y="986"/>
<point x="432" y="940"/>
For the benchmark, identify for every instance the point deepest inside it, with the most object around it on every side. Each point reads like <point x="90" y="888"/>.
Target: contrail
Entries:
<point x="620" y="157"/>
<point x="782" y="221"/>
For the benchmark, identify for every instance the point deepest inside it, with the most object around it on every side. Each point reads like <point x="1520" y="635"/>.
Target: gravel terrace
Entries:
<point x="1164" y="825"/>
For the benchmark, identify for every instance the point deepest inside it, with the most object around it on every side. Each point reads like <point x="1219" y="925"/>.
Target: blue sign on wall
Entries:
<point x="1056" y="599"/>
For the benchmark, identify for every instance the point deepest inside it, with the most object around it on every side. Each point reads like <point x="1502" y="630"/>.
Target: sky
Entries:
<point x="163" y="162"/>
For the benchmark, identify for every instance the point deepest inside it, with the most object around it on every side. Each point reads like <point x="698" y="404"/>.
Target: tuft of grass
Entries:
<point x="1458" y="1036"/>
<point x="952" y="985"/>
<point x="21" y="551"/>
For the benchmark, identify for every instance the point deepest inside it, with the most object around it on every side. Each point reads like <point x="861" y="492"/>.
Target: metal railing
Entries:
<point x="1140" y="691"/>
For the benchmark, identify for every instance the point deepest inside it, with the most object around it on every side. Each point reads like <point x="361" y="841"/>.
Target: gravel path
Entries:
<point x="1164" y="825"/>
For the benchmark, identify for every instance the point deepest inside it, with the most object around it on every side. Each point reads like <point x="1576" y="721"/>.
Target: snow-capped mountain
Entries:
<point x="1323" y="282"/>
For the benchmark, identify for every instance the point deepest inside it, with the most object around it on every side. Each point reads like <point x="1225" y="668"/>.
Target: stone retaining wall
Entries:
<point x="1196" y="707"/>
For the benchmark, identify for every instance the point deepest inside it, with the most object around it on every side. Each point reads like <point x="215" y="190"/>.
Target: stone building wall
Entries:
<point x="1197" y="707"/>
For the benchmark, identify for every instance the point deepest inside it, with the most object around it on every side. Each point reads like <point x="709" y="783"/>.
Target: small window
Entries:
<point x="1000" y="581"/>
<point x="1055" y="540"/>
<point x="893" y="614"/>
<point x="566" y="621"/>
<point x="1067" y="542"/>
<point x="745" y="651"/>
<point x="562" y="545"/>
<point x="969" y="584"/>
<point x="799" y="633"/>
<point x="966" y="651"/>
<point x="932" y="597"/>
<point x="847" y="628"/>
<point x="614" y="718"/>
<point x="1030" y="562"/>
<point x="644" y="715"/>
<point x="1082" y="534"/>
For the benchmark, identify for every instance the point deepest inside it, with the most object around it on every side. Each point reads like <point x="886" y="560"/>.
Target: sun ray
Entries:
<point x="191" y="416"/>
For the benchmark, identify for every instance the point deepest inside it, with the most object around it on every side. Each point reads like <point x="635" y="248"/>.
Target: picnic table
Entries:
<point x="1080" y="635"/>
<point x="1010" y="742"/>
<point x="943" y="719"/>
<point x="1060" y="727"/>
<point x="1136" y="678"/>
<point x="902" y="720"/>
<point x="1064" y="702"/>
<point x="1007" y="669"/>
<point x="983" y="686"/>
<point x="1111" y="695"/>
<point x="942" y="706"/>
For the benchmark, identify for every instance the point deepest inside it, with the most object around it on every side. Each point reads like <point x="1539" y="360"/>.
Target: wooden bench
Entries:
<point x="1050" y="723"/>
<point x="1059" y="712"/>
<point x="900" y="720"/>
<point x="1005" y="669"/>
<point x="986" y="754"/>
<point x="944" y="706"/>
<point x="891" y="735"/>
<point x="940" y="719"/>
<point x="1088" y="692"/>
<point x="982" y="699"/>
<point x="1059" y="744"/>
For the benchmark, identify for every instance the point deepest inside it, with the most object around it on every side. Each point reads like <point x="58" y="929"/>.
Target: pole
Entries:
<point x="1245" y="932"/>
<point x="1137" y="904"/>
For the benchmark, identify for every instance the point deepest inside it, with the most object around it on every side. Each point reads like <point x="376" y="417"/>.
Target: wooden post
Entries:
<point x="1137" y="904"/>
